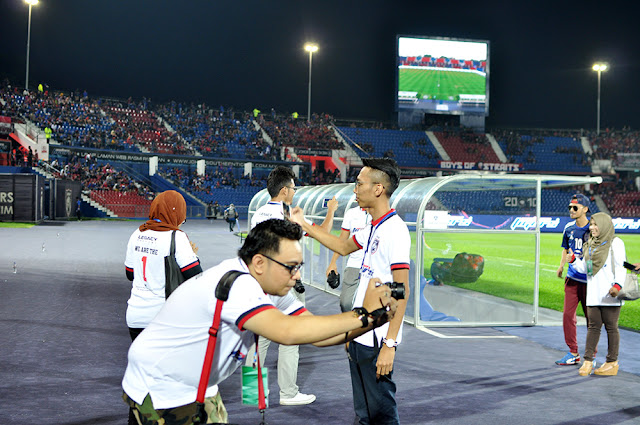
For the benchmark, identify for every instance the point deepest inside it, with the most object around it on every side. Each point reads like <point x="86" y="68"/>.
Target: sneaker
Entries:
<point x="607" y="369"/>
<point x="569" y="360"/>
<point x="298" y="400"/>
<point x="587" y="368"/>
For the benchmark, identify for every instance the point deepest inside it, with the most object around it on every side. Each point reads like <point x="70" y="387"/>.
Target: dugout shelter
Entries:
<point x="497" y="216"/>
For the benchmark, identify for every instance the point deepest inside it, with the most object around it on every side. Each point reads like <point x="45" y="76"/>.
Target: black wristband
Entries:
<point x="379" y="316"/>
<point x="362" y="314"/>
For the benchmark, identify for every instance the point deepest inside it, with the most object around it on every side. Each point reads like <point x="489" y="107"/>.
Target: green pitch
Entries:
<point x="509" y="266"/>
<point x="440" y="84"/>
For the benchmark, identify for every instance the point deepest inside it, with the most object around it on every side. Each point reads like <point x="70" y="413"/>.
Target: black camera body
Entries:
<point x="397" y="289"/>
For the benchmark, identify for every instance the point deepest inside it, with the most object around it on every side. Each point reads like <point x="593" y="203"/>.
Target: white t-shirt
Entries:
<point x="355" y="220"/>
<point x="386" y="243"/>
<point x="599" y="284"/>
<point x="269" y="210"/>
<point x="145" y="257"/>
<point x="165" y="360"/>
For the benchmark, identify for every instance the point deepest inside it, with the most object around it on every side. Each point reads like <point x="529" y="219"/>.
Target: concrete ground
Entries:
<point x="63" y="345"/>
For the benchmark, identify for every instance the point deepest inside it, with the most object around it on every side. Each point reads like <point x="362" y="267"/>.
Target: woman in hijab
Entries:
<point x="144" y="263"/>
<point x="602" y="259"/>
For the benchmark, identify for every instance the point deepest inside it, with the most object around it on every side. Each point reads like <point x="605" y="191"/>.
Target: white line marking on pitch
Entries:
<point x="512" y="264"/>
<point x="439" y="335"/>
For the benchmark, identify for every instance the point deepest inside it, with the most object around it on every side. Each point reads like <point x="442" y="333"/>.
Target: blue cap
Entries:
<point x="579" y="198"/>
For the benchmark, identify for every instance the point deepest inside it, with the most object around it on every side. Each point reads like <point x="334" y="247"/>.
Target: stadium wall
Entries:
<point x="21" y="197"/>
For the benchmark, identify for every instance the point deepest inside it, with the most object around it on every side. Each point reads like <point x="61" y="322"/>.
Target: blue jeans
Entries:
<point x="374" y="400"/>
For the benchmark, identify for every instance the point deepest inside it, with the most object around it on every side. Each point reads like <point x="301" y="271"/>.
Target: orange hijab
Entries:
<point x="167" y="212"/>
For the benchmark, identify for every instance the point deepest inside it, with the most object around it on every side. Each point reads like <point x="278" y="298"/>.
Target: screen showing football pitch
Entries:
<point x="443" y="75"/>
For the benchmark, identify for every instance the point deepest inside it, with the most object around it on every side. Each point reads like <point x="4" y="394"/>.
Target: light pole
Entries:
<point x="26" y="79"/>
<point x="599" y="68"/>
<point x="311" y="48"/>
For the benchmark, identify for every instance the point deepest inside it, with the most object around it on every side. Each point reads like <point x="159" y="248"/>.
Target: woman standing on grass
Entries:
<point x="602" y="259"/>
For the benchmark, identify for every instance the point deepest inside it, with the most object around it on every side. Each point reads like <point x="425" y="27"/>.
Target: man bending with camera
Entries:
<point x="165" y="362"/>
<point x="386" y="244"/>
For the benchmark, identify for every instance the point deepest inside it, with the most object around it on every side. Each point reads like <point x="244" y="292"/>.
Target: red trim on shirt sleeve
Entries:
<point x="356" y="241"/>
<point x="298" y="312"/>
<point x="190" y="266"/>
<point x="399" y="266"/>
<point x="617" y="285"/>
<point x="249" y="314"/>
<point x="129" y="269"/>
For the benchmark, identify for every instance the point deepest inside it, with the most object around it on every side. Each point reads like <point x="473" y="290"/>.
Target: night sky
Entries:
<point x="250" y="53"/>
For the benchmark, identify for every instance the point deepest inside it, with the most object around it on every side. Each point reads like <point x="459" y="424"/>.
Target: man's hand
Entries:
<point x="332" y="205"/>
<point x="194" y="247"/>
<point x="613" y="291"/>
<point x="384" y="365"/>
<point x="377" y="295"/>
<point x="559" y="271"/>
<point x="332" y="267"/>
<point x="297" y="215"/>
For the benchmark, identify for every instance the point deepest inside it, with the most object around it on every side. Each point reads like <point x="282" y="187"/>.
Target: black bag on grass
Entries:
<point x="463" y="268"/>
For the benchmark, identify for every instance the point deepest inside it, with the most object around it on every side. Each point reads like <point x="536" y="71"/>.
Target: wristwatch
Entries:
<point x="389" y="342"/>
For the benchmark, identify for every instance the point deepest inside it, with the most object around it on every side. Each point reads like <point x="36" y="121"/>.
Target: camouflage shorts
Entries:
<point x="181" y="415"/>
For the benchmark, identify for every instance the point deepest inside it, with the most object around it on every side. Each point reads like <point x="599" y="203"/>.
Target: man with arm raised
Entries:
<point x="386" y="245"/>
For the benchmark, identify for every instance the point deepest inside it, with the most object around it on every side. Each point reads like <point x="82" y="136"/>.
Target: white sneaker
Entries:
<point x="298" y="400"/>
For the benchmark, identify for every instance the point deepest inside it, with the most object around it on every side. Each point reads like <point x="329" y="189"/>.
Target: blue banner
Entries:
<point x="547" y="224"/>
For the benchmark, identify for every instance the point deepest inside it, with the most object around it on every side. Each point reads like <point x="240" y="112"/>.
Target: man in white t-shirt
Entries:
<point x="386" y="244"/>
<point x="353" y="221"/>
<point x="281" y="188"/>
<point x="163" y="372"/>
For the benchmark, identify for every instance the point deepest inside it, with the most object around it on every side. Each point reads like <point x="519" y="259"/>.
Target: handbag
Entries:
<point x="222" y="294"/>
<point x="172" y="274"/>
<point x="630" y="290"/>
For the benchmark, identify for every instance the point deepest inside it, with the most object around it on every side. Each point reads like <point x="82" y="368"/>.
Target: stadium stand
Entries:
<point x="398" y="144"/>
<point x="212" y="133"/>
<point x="467" y="146"/>
<point x="548" y="153"/>
<point x="287" y="131"/>
<point x="78" y="120"/>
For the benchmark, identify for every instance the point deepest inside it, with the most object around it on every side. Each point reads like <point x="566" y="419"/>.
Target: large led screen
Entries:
<point x="443" y="76"/>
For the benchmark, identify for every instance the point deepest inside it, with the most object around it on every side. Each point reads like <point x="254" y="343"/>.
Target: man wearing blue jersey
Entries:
<point x="575" y="284"/>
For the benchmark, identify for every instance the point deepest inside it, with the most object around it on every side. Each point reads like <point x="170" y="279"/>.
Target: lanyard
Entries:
<point x="383" y="219"/>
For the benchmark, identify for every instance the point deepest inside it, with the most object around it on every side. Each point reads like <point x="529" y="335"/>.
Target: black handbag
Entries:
<point x="172" y="273"/>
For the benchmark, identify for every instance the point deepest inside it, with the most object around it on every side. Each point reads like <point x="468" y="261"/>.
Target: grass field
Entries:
<point x="440" y="84"/>
<point x="13" y="225"/>
<point x="509" y="266"/>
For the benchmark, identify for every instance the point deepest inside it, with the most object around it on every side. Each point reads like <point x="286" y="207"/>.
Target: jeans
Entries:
<point x="374" y="400"/>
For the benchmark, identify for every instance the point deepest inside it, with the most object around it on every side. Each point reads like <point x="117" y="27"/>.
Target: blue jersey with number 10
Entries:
<point x="573" y="238"/>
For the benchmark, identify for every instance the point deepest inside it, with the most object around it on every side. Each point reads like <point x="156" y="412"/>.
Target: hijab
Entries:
<point x="168" y="211"/>
<point x="597" y="248"/>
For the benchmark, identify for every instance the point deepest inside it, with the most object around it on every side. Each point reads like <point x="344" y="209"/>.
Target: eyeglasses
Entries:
<point x="292" y="269"/>
<point x="573" y="207"/>
<point x="359" y="183"/>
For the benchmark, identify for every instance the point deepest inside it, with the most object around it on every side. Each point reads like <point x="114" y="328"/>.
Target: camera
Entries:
<point x="299" y="287"/>
<point x="333" y="279"/>
<point x="397" y="289"/>
<point x="325" y="203"/>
